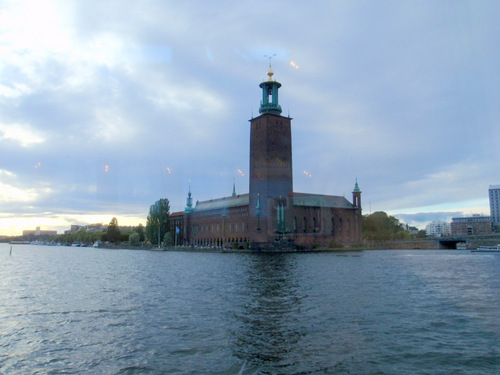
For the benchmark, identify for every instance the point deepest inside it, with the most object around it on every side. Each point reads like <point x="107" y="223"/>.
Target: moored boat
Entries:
<point x="487" y="249"/>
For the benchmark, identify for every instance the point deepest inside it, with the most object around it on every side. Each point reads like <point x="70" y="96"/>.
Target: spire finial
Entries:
<point x="270" y="59"/>
<point x="270" y="72"/>
<point x="234" y="187"/>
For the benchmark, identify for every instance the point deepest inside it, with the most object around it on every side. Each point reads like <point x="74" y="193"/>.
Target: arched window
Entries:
<point x="305" y="225"/>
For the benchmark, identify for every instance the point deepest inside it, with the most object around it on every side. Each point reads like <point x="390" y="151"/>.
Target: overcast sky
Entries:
<point x="108" y="106"/>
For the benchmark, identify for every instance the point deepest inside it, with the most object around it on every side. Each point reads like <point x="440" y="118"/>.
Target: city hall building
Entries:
<point x="271" y="215"/>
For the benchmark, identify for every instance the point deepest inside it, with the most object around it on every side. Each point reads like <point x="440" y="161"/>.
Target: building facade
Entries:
<point x="271" y="215"/>
<point x="438" y="229"/>
<point x="494" y="195"/>
<point x="38" y="232"/>
<point x="471" y="225"/>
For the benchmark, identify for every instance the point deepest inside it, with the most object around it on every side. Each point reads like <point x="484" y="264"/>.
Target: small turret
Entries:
<point x="189" y="202"/>
<point x="356" y="195"/>
<point x="270" y="88"/>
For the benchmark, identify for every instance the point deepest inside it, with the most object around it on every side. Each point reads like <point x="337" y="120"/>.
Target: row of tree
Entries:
<point x="380" y="227"/>
<point x="157" y="231"/>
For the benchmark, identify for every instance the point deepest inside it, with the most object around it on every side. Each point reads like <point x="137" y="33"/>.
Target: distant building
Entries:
<point x="271" y="214"/>
<point x="37" y="232"/>
<point x="97" y="227"/>
<point x="471" y="225"/>
<point x="73" y="229"/>
<point x="494" y="194"/>
<point x="438" y="229"/>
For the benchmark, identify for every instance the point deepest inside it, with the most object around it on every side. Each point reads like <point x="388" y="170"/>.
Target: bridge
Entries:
<point x="450" y="242"/>
<point x="472" y="242"/>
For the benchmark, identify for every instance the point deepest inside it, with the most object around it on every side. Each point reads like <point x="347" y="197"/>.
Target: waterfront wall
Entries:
<point x="413" y="244"/>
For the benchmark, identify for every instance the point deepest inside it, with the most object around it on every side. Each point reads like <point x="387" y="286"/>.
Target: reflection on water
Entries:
<point x="269" y="327"/>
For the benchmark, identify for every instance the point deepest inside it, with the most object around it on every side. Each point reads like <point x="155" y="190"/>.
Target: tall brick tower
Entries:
<point x="271" y="179"/>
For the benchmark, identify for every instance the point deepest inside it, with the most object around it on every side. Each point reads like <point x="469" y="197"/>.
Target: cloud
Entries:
<point x="24" y="134"/>
<point x="402" y="96"/>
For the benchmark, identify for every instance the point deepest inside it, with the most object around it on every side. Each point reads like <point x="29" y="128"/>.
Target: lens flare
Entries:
<point x="293" y="64"/>
<point x="106" y="168"/>
<point x="240" y="172"/>
<point x="307" y="174"/>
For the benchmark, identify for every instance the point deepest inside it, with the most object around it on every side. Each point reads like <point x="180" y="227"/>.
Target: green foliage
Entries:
<point x="421" y="234"/>
<point x="134" y="239"/>
<point x="158" y="221"/>
<point x="167" y="239"/>
<point x="82" y="236"/>
<point x="113" y="233"/>
<point x="380" y="226"/>
<point x="140" y="230"/>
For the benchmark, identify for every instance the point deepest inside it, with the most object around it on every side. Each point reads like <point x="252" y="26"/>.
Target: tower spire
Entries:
<point x="234" y="187"/>
<point x="356" y="195"/>
<point x="269" y="103"/>
<point x="189" y="202"/>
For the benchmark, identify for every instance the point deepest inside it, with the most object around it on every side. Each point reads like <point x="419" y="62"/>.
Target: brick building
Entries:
<point x="271" y="215"/>
<point x="471" y="225"/>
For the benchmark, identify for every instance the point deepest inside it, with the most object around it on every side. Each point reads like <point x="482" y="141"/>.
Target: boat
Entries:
<point x="487" y="249"/>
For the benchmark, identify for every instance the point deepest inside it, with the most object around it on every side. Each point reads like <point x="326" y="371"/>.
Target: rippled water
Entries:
<point x="93" y="311"/>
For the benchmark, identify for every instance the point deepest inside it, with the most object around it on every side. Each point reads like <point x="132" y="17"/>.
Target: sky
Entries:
<point x="107" y="106"/>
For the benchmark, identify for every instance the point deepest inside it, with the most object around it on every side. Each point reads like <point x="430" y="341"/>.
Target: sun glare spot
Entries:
<point x="38" y="165"/>
<point x="169" y="170"/>
<point x="106" y="168"/>
<point x="240" y="172"/>
<point x="293" y="64"/>
<point x="307" y="174"/>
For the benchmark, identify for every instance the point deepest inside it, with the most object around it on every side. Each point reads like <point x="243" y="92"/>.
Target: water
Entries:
<point x="92" y="311"/>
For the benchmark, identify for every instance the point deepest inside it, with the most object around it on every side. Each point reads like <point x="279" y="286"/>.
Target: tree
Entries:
<point x="158" y="222"/>
<point x="380" y="226"/>
<point x="133" y="239"/>
<point x="113" y="233"/>
<point x="167" y="239"/>
<point x="140" y="230"/>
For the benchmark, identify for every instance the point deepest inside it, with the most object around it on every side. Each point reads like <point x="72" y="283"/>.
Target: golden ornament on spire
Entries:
<point x="270" y="73"/>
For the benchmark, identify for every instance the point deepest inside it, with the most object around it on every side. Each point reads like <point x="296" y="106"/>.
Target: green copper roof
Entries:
<point x="319" y="200"/>
<point x="356" y="188"/>
<point x="189" y="202"/>
<point x="269" y="103"/>
<point x="221" y="203"/>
